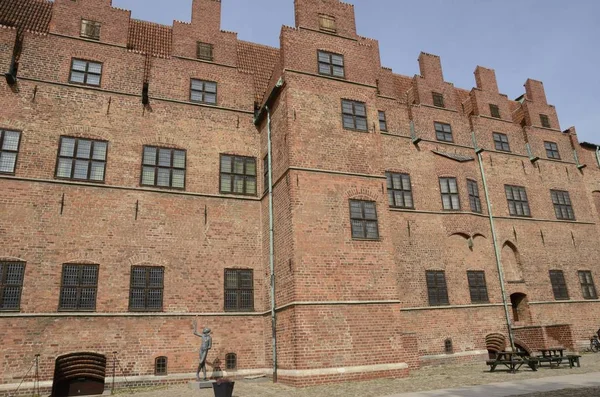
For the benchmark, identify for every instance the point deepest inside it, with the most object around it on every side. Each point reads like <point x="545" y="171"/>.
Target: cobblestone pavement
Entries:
<point x="430" y="378"/>
<point x="589" y="392"/>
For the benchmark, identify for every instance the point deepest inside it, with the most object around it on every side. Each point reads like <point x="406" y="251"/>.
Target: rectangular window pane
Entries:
<point x="146" y="288"/>
<point x="163" y="177"/>
<point x="148" y="176"/>
<point x="93" y="79"/>
<point x="178" y="180"/>
<point x="64" y="168"/>
<point x="10" y="140"/>
<point x="239" y="292"/>
<point x="7" y="162"/>
<point x="203" y="91"/>
<point x="100" y="151"/>
<point x="238" y="175"/>
<point x="164" y="157"/>
<point x="81" y="169"/>
<point x="67" y="147"/>
<point x="84" y="149"/>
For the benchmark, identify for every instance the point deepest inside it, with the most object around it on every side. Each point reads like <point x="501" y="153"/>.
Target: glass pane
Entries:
<point x="347" y="107"/>
<point x="84" y="149"/>
<point x="250" y="185"/>
<point x="97" y="171"/>
<point x="251" y="167"/>
<point x="231" y="299"/>
<point x="231" y="279"/>
<point x="68" y="298"/>
<point x="148" y="176"/>
<point x="389" y="177"/>
<point x="348" y="121"/>
<point x="178" y="159"/>
<point x="452" y="185"/>
<point x="359" y="109"/>
<point x="70" y="275"/>
<point x="196" y="96"/>
<point x="338" y="71"/>
<point x="7" y="162"/>
<point x="11" y="140"/>
<point x="245" y="278"/>
<point x="337" y="60"/>
<point x="77" y="77"/>
<point x="87" y="299"/>
<point x="89" y="275"/>
<point x="446" y="202"/>
<point x="95" y="68"/>
<point x="509" y="194"/>
<point x="444" y="185"/>
<point x="356" y="210"/>
<point x="408" y="200"/>
<point x="397" y="181"/>
<point x="238" y="184"/>
<point x="149" y="155"/>
<point x="79" y="65"/>
<point x="164" y="157"/>
<point x="64" y="168"/>
<point x="238" y="165"/>
<point x="67" y="147"/>
<point x="210" y="98"/>
<point x="226" y="183"/>
<point x="372" y="230"/>
<point x="324" y="68"/>
<point x="391" y="198"/>
<point x="138" y="278"/>
<point x="357" y="229"/>
<point x="226" y="164"/>
<point x="361" y="124"/>
<point x="155" y="299"/>
<point x="210" y="87"/>
<point x="99" y="151"/>
<point x="137" y="299"/>
<point x="197" y="85"/>
<point x="370" y="212"/>
<point x="455" y="202"/>
<point x="155" y="276"/>
<point x="93" y="79"/>
<point x="246" y="299"/>
<point x="81" y="169"/>
<point x="399" y="197"/>
<point x="323" y="57"/>
<point x="163" y="178"/>
<point x="406" y="182"/>
<point x="178" y="180"/>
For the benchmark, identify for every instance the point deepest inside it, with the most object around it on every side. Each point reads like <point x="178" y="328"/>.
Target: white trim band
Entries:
<point x="297" y="373"/>
<point x="459" y="354"/>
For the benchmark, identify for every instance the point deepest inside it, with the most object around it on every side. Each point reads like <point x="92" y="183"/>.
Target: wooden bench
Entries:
<point x="514" y="364"/>
<point x="550" y="360"/>
<point x="573" y="360"/>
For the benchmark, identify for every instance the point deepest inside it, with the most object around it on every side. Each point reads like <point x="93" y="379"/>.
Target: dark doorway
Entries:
<point x="79" y="374"/>
<point x="520" y="307"/>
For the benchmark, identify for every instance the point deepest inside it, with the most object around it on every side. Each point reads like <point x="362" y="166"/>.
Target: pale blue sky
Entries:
<point x="555" y="41"/>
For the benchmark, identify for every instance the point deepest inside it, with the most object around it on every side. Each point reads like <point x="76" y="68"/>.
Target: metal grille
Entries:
<point x="146" y="292"/>
<point x="238" y="175"/>
<point x="443" y="132"/>
<point x="81" y="159"/>
<point x="545" y="121"/>
<point x="204" y="51"/>
<point x="79" y="286"/>
<point x="230" y="361"/>
<point x="587" y="285"/>
<point x="9" y="148"/>
<point x="331" y="64"/>
<point x="501" y="142"/>
<point x="382" y="121"/>
<point x="85" y="72"/>
<point x="160" y="366"/>
<point x="11" y="284"/>
<point x="562" y="205"/>
<point x="450" y="196"/>
<point x="518" y="205"/>
<point x="163" y="167"/>
<point x="327" y="23"/>
<point x="552" y="150"/>
<point x="448" y="346"/>
<point x="203" y="91"/>
<point x="559" y="285"/>
<point x="90" y="29"/>
<point x="363" y="219"/>
<point x="495" y="111"/>
<point x="436" y="288"/>
<point x="354" y="115"/>
<point x="399" y="190"/>
<point x="474" y="199"/>
<point x="477" y="287"/>
<point x="438" y="100"/>
<point x="239" y="290"/>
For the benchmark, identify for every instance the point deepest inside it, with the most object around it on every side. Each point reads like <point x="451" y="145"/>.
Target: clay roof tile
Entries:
<point x="32" y="15"/>
<point x="260" y="60"/>
<point x="150" y="38"/>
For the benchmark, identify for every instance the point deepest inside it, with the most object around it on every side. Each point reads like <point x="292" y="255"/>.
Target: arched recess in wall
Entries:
<point x="511" y="262"/>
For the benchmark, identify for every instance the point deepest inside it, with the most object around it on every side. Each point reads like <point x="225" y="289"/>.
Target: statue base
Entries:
<point x="203" y="384"/>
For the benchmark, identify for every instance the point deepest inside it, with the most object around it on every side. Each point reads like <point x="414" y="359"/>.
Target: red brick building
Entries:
<point x="135" y="199"/>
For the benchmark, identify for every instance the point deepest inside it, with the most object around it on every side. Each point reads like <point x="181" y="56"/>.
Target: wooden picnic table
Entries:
<point x="512" y="360"/>
<point x="553" y="352"/>
<point x="555" y="356"/>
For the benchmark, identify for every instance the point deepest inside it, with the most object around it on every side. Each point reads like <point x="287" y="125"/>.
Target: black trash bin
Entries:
<point x="223" y="389"/>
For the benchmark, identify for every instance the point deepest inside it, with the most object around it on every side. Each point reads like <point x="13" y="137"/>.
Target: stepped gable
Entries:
<point x="33" y="15"/>
<point x="259" y="60"/>
<point x="150" y="38"/>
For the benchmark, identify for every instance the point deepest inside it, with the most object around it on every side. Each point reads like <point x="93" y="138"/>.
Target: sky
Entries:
<point x="555" y="41"/>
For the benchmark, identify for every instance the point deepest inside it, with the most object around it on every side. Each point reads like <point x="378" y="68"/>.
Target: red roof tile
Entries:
<point x="33" y="15"/>
<point x="150" y="38"/>
<point x="259" y="60"/>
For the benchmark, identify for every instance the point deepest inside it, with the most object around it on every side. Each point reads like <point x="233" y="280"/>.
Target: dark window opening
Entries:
<point x="363" y="220"/>
<point x="450" y="196"/>
<point x="477" y="287"/>
<point x="545" y="121"/>
<point x="436" y="288"/>
<point x="518" y="204"/>
<point x="163" y="167"/>
<point x="438" y="100"/>
<point x="85" y="72"/>
<point x="495" y="111"/>
<point x="443" y="132"/>
<point x="203" y="91"/>
<point x="474" y="199"/>
<point x="327" y="23"/>
<point x="448" y="347"/>
<point x="354" y="115"/>
<point x="81" y="159"/>
<point x="559" y="285"/>
<point x="562" y="205"/>
<point x="146" y="290"/>
<point x="239" y="290"/>
<point x="587" y="284"/>
<point x="382" y="121"/>
<point x="231" y="361"/>
<point x="501" y="142"/>
<point x="552" y="150"/>
<point x="11" y="285"/>
<point x="204" y="51"/>
<point x="9" y="149"/>
<point x="399" y="190"/>
<point x="78" y="288"/>
<point x="331" y="64"/>
<point x="90" y="29"/>
<point x="238" y="175"/>
<point x="160" y="366"/>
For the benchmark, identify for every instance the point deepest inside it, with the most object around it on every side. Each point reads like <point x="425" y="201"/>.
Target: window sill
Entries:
<point x="333" y="77"/>
<point x="80" y="180"/>
<point x="242" y="194"/>
<point x="366" y="239"/>
<point x="181" y="189"/>
<point x="355" y="130"/>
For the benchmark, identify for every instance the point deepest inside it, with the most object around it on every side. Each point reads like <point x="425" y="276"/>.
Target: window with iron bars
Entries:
<point x="239" y="290"/>
<point x="160" y="366"/>
<point x="9" y="149"/>
<point x="11" y="285"/>
<point x="81" y="159"/>
<point x="146" y="288"/>
<point x="230" y="361"/>
<point x="437" y="289"/>
<point x="477" y="287"/>
<point x="363" y="220"/>
<point x="559" y="285"/>
<point x="78" y="288"/>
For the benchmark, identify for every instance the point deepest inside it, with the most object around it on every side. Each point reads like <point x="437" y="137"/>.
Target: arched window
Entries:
<point x="230" y="361"/>
<point x="448" y="348"/>
<point x="160" y="366"/>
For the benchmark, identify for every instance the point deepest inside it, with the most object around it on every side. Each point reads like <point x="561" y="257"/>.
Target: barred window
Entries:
<point x="587" y="284"/>
<point x="382" y="121"/>
<point x="81" y="159"/>
<point x="11" y="284"/>
<point x="562" y="205"/>
<point x="85" y="72"/>
<point x="327" y="23"/>
<point x="238" y="175"/>
<point x="518" y="205"/>
<point x="90" y="29"/>
<point x="78" y="287"/>
<point x="437" y="290"/>
<point x="552" y="150"/>
<point x="203" y="91"/>
<point x="163" y="167"/>
<point x="448" y="346"/>
<point x="331" y="64"/>
<point x="146" y="289"/>
<point x="160" y="366"/>
<point x="443" y="132"/>
<point x="231" y="361"/>
<point x="477" y="287"/>
<point x="545" y="121"/>
<point x="474" y="199"/>
<point x="9" y="149"/>
<point x="495" y="111"/>
<point x="559" y="285"/>
<point x="438" y="100"/>
<point x="363" y="219"/>
<point x="399" y="190"/>
<point x="450" y="196"/>
<point x="239" y="290"/>
<point x="204" y="51"/>
<point x="354" y="115"/>
<point x="501" y="142"/>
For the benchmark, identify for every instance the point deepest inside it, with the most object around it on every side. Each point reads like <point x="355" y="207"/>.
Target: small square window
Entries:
<point x="552" y="150"/>
<point x="501" y="142"/>
<point x="559" y="285"/>
<point x="203" y="91"/>
<point x="443" y="132"/>
<point x="545" y="121"/>
<point x="382" y="121"/>
<point x="399" y="190"/>
<point x="495" y="111"/>
<point x="437" y="290"/>
<point x="239" y="290"/>
<point x="204" y="51"/>
<point x="9" y="149"/>
<point x="163" y="167"/>
<point x="90" y="29"/>
<point x="474" y="199"/>
<point x="518" y="204"/>
<point x="587" y="285"/>
<point x="85" y="72"/>
<point x="146" y="288"/>
<point x="331" y="64"/>
<point x="327" y="23"/>
<point x="11" y="284"/>
<point x="438" y="100"/>
<point x="81" y="159"/>
<point x="363" y="220"/>
<point x="354" y="115"/>
<point x="450" y="196"/>
<point x="562" y="205"/>
<point x="238" y="175"/>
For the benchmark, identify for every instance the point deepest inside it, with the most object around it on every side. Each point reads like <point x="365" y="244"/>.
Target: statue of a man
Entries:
<point x="204" y="348"/>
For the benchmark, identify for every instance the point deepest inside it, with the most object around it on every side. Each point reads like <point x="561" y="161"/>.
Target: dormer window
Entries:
<point x="327" y="23"/>
<point x="204" y="51"/>
<point x="495" y="111"/>
<point x="545" y="121"/>
<point x="438" y="100"/>
<point x="90" y="29"/>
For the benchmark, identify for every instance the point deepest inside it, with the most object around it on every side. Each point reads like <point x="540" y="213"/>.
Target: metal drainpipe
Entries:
<point x="495" y="241"/>
<point x="598" y="155"/>
<point x="271" y="245"/>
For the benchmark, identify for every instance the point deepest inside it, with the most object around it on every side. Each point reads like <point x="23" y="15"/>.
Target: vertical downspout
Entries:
<point x="598" y="155"/>
<point x="478" y="151"/>
<point x="271" y="245"/>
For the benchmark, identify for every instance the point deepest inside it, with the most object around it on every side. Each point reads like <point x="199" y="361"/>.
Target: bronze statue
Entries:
<point x="204" y="348"/>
